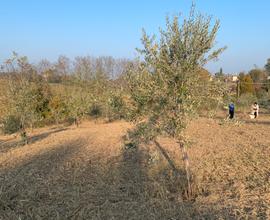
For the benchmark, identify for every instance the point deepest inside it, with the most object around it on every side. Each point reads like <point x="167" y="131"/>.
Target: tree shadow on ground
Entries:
<point x="258" y="122"/>
<point x="72" y="181"/>
<point x="7" y="145"/>
<point x="29" y="186"/>
<point x="39" y="137"/>
<point x="167" y="157"/>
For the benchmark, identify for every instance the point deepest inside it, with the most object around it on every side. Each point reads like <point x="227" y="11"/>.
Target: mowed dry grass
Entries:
<point x="87" y="173"/>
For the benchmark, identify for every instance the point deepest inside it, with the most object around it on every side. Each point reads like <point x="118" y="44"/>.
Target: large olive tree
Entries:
<point x="167" y="88"/>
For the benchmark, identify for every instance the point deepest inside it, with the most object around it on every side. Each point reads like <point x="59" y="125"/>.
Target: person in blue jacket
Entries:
<point x="231" y="110"/>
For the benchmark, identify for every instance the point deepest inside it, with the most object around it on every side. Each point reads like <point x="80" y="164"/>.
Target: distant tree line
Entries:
<point x="69" y="90"/>
<point x="256" y="81"/>
<point x="65" y="91"/>
<point x="254" y="84"/>
<point x="81" y="68"/>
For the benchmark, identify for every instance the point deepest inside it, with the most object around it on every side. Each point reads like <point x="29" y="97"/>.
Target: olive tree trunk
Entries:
<point x="187" y="166"/>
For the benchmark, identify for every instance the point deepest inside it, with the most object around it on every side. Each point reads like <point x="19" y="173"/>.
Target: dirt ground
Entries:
<point x="88" y="173"/>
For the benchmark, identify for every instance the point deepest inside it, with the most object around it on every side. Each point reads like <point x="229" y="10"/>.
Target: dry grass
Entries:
<point x="3" y="96"/>
<point x="87" y="173"/>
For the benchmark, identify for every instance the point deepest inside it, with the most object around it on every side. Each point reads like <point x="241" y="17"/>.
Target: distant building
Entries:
<point x="234" y="78"/>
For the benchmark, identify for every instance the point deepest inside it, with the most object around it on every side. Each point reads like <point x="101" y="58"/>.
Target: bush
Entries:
<point x="246" y="84"/>
<point x="116" y="107"/>
<point x="58" y="109"/>
<point x="245" y="101"/>
<point x="28" y="100"/>
<point x="264" y="100"/>
<point x="262" y="94"/>
<point x="95" y="110"/>
<point x="11" y="124"/>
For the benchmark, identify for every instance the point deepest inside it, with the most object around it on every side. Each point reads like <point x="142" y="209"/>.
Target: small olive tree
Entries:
<point x="167" y="90"/>
<point x="78" y="103"/>
<point x="28" y="95"/>
<point x="58" y="108"/>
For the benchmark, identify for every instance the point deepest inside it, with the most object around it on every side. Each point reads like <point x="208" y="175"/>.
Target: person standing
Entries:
<point x="231" y="111"/>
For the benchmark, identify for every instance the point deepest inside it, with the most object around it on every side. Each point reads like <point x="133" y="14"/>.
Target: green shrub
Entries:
<point x="264" y="100"/>
<point x="96" y="110"/>
<point x="245" y="101"/>
<point x="116" y="107"/>
<point x="262" y="94"/>
<point x="58" y="109"/>
<point x="11" y="124"/>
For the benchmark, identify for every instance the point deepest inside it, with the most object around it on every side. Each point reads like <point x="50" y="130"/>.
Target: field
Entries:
<point x="89" y="173"/>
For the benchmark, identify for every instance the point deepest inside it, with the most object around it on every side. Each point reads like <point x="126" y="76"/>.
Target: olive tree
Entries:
<point x="78" y="103"/>
<point x="166" y="90"/>
<point x="58" y="108"/>
<point x="28" y="94"/>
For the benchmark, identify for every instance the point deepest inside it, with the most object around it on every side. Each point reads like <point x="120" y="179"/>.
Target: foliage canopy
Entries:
<point x="167" y="88"/>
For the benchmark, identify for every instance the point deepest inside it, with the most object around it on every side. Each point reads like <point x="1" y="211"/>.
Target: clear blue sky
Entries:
<point x="48" y="28"/>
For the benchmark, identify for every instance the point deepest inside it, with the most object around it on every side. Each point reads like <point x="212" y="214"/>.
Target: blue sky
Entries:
<point x="49" y="28"/>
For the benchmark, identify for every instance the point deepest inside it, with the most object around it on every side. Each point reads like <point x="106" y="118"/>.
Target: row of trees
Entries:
<point x="81" y="68"/>
<point x="30" y="99"/>
<point x="256" y="81"/>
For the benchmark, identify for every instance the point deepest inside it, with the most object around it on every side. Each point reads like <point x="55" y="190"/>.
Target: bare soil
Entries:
<point x="89" y="173"/>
